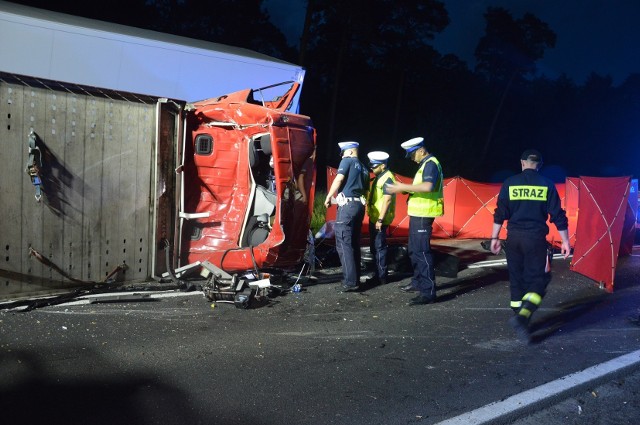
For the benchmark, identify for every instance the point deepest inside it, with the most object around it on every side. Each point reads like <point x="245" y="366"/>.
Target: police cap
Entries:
<point x="377" y="158"/>
<point x="348" y="145"/>
<point x="412" y="145"/>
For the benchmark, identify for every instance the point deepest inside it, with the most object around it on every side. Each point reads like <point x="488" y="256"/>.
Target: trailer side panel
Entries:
<point x="96" y="160"/>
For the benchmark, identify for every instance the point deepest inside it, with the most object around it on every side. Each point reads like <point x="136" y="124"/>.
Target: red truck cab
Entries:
<point x="248" y="181"/>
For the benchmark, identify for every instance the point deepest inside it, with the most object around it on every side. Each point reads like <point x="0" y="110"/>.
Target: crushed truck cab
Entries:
<point x="246" y="182"/>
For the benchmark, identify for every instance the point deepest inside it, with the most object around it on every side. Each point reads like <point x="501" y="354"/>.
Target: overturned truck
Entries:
<point x="247" y="188"/>
<point x="100" y="186"/>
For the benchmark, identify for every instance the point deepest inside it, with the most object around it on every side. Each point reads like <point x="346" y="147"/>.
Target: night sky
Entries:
<point x="593" y="35"/>
<point x="602" y="36"/>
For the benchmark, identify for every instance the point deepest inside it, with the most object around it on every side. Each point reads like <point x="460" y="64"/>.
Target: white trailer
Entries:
<point x="97" y="99"/>
<point x="55" y="46"/>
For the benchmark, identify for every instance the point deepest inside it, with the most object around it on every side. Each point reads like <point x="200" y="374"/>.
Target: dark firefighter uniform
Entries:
<point x="348" y="225"/>
<point x="526" y="200"/>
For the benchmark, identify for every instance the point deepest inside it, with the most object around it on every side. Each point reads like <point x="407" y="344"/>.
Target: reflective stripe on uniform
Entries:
<point x="525" y="312"/>
<point x="427" y="204"/>
<point x="376" y="199"/>
<point x="533" y="298"/>
<point x="528" y="193"/>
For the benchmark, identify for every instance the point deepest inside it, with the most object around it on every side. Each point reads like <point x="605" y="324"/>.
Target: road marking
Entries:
<point x="86" y="299"/>
<point x="528" y="399"/>
<point x="503" y="262"/>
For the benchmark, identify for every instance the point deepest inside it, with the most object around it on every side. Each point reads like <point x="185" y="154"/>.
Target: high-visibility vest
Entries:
<point x="427" y="204"/>
<point x="376" y="197"/>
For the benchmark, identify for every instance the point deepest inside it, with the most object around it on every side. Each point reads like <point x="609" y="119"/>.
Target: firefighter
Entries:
<point x="526" y="200"/>
<point x="381" y="207"/>
<point x="352" y="183"/>
<point x="426" y="202"/>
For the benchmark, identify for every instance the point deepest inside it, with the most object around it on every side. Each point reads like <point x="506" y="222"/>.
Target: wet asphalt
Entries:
<point x="318" y="356"/>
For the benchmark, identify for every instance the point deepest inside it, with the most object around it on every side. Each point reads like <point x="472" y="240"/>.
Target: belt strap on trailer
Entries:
<point x="47" y="262"/>
<point x="33" y="165"/>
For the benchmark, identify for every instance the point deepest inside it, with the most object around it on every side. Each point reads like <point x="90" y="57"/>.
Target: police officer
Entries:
<point x="381" y="207"/>
<point x="352" y="183"/>
<point x="426" y="202"/>
<point x="526" y="200"/>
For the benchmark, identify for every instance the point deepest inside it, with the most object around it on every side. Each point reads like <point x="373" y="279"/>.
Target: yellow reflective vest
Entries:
<point x="376" y="197"/>
<point x="427" y="204"/>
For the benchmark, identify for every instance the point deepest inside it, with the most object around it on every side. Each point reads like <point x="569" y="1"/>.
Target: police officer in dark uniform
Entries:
<point x="526" y="200"/>
<point x="352" y="183"/>
<point x="426" y="202"/>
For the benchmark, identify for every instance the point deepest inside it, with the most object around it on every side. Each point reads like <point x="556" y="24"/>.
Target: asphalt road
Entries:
<point x="320" y="357"/>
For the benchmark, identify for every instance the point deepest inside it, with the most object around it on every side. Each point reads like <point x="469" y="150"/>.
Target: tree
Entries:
<point x="108" y="11"/>
<point x="401" y="45"/>
<point x="235" y="23"/>
<point x="509" y="51"/>
<point x="510" y="48"/>
<point x="379" y="42"/>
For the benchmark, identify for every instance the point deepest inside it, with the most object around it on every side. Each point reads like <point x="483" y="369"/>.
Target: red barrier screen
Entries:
<point x="602" y="204"/>
<point x="606" y="225"/>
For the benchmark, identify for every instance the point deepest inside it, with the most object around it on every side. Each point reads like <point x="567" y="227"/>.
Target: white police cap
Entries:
<point x="412" y="145"/>
<point x="378" y="157"/>
<point x="348" y="145"/>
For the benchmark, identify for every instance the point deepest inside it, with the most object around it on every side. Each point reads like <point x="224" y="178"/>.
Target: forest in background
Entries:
<point x="373" y="75"/>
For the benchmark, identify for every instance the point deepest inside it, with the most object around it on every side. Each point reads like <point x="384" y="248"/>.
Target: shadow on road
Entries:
<point x="567" y="315"/>
<point x="457" y="287"/>
<point x="90" y="394"/>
